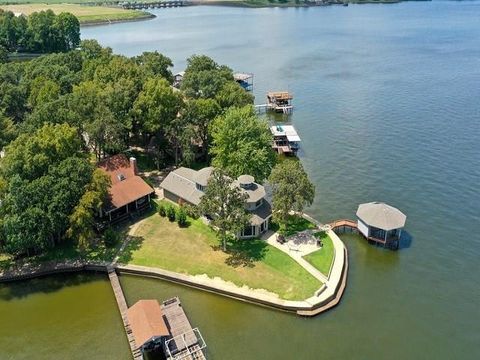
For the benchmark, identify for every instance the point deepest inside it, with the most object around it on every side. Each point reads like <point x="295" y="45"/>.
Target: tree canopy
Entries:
<point x="242" y="144"/>
<point x="291" y="188"/>
<point x="39" y="32"/>
<point x="61" y="112"/>
<point x="225" y="204"/>
<point x="46" y="175"/>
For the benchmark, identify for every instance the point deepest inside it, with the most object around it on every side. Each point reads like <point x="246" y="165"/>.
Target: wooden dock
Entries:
<point x="122" y="307"/>
<point x="342" y="225"/>
<point x="186" y="343"/>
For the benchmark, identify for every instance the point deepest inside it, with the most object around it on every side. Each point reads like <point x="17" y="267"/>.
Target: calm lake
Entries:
<point x="387" y="103"/>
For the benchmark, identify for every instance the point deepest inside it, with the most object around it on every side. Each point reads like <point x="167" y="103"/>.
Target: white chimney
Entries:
<point x="133" y="164"/>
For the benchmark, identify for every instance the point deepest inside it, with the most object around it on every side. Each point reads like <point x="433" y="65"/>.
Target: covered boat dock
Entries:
<point x="380" y="223"/>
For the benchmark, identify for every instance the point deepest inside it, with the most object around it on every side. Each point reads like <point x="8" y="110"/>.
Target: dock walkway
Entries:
<point x="122" y="307"/>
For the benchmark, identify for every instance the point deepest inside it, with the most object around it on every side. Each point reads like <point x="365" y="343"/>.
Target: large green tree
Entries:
<point x="225" y="204"/>
<point x="46" y="174"/>
<point x="82" y="220"/>
<point x="242" y="144"/>
<point x="156" y="64"/>
<point x="198" y="114"/>
<point x="156" y="110"/>
<point x="291" y="189"/>
<point x="204" y="78"/>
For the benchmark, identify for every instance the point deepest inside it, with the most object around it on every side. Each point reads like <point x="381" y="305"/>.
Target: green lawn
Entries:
<point x="295" y="224"/>
<point x="322" y="259"/>
<point x="85" y="14"/>
<point x="195" y="250"/>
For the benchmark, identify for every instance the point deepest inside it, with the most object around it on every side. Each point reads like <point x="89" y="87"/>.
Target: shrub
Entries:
<point x="170" y="211"/>
<point x="162" y="211"/>
<point x="191" y="211"/>
<point x="110" y="237"/>
<point x="181" y="217"/>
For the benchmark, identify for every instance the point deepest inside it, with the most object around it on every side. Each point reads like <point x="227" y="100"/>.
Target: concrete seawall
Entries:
<point x="326" y="297"/>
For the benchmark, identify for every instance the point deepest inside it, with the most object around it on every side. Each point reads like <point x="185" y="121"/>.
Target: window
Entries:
<point x="259" y="203"/>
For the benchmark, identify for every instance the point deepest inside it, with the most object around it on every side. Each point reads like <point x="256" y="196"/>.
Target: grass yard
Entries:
<point x="85" y="14"/>
<point x="322" y="259"/>
<point x="195" y="250"/>
<point x="294" y="224"/>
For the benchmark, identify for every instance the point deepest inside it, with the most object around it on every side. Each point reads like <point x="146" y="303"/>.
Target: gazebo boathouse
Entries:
<point x="380" y="223"/>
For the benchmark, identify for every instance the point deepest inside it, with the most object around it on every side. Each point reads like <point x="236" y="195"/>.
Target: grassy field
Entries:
<point x="195" y="250"/>
<point x="85" y="14"/>
<point x="322" y="259"/>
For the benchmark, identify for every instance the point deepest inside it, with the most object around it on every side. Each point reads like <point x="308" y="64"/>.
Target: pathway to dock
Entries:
<point x="122" y="307"/>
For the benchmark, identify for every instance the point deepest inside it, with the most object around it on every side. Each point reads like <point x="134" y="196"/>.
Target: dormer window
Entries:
<point x="258" y="203"/>
<point x="121" y="177"/>
<point x="200" y="187"/>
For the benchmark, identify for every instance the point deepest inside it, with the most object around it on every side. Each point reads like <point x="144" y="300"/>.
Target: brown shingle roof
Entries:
<point x="146" y="321"/>
<point x="126" y="186"/>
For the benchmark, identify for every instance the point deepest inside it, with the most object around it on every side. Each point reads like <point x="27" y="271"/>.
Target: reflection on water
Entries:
<point x="70" y="316"/>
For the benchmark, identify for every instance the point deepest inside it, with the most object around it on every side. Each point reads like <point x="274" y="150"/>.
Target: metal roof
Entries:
<point x="381" y="216"/>
<point x="285" y="130"/>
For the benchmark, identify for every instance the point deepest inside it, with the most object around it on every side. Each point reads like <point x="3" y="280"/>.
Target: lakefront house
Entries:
<point x="188" y="185"/>
<point x="128" y="191"/>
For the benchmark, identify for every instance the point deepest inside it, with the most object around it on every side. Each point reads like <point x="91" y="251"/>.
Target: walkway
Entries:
<point x="122" y="307"/>
<point x="297" y="255"/>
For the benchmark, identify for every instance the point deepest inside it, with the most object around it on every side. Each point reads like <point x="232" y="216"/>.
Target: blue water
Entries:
<point x="387" y="103"/>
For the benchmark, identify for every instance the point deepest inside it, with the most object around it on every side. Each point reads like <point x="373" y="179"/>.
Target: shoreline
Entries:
<point x="325" y="298"/>
<point x="147" y="16"/>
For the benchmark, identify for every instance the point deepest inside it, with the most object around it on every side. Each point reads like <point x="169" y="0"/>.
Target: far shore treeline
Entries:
<point x="40" y="32"/>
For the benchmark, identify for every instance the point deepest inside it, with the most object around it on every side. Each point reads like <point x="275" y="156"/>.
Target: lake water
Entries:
<point x="387" y="103"/>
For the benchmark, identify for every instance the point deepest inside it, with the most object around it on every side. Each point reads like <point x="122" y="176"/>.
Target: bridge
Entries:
<point x="153" y="4"/>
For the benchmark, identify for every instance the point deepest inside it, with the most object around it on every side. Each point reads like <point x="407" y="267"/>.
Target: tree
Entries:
<point x="156" y="64"/>
<point x="7" y="131"/>
<point x="68" y="29"/>
<point x="156" y="110"/>
<point x="82" y="220"/>
<point x="292" y="190"/>
<point x="225" y="203"/>
<point x="3" y="54"/>
<point x="204" y="78"/>
<point x="46" y="175"/>
<point x="30" y="155"/>
<point x="242" y="144"/>
<point x="43" y="90"/>
<point x="199" y="114"/>
<point x="233" y="95"/>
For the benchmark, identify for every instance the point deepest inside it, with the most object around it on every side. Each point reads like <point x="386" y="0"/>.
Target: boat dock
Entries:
<point x="285" y="139"/>
<point x="186" y="342"/>
<point x="280" y="101"/>
<point x="149" y="326"/>
<point x="122" y="307"/>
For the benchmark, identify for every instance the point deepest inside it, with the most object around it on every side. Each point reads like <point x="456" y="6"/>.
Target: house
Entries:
<point x="285" y="139"/>
<point x="380" y="222"/>
<point x="128" y="192"/>
<point x="188" y="185"/>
